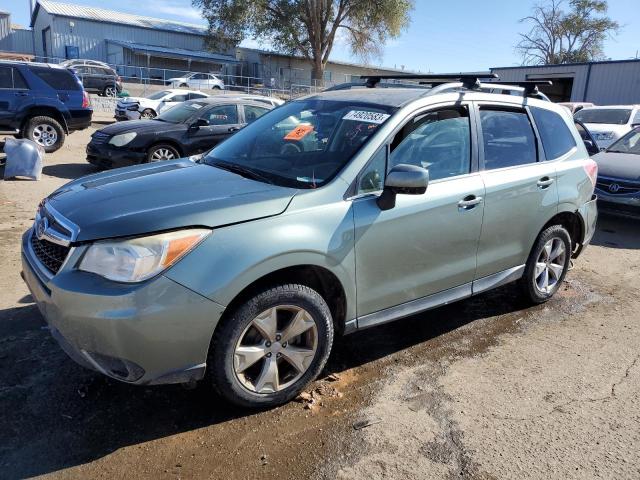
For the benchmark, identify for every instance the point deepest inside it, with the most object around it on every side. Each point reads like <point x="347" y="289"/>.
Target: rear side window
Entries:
<point x="11" y="78"/>
<point x="57" y="79"/>
<point x="195" y="96"/>
<point x="222" y="115"/>
<point x="251" y="112"/>
<point x="554" y="133"/>
<point x="508" y="138"/>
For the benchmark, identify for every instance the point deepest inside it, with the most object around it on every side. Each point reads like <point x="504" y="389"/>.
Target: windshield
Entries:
<point x="302" y="144"/>
<point x="180" y="112"/>
<point x="158" y="95"/>
<point x="630" y="143"/>
<point x="612" y="116"/>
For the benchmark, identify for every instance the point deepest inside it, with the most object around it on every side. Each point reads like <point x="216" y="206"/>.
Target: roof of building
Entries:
<point x="111" y="16"/>
<point x="560" y="65"/>
<point x="175" y="52"/>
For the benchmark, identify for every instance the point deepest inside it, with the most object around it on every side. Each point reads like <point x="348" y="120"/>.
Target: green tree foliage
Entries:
<point x="559" y="36"/>
<point x="306" y="27"/>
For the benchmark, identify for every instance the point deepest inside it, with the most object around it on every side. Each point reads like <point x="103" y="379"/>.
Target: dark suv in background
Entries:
<point x="42" y="102"/>
<point x="98" y="79"/>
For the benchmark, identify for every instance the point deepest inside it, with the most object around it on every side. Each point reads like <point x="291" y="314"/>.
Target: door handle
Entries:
<point x="469" y="202"/>
<point x="21" y="94"/>
<point x="233" y="129"/>
<point x="544" y="182"/>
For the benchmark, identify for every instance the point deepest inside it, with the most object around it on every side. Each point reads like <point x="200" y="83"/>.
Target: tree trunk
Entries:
<point x="317" y="73"/>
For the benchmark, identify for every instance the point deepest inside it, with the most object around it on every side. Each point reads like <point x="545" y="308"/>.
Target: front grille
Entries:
<point x="622" y="187"/>
<point x="50" y="254"/>
<point x="99" y="138"/>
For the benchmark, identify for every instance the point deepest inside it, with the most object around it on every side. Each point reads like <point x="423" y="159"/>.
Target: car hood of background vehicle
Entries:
<point x="138" y="126"/>
<point x="618" y="165"/>
<point x="164" y="196"/>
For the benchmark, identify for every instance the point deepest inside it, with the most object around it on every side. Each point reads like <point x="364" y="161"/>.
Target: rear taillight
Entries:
<point x="85" y="100"/>
<point x="591" y="167"/>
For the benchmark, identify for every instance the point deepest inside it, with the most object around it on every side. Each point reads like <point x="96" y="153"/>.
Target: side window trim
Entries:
<point x="505" y="107"/>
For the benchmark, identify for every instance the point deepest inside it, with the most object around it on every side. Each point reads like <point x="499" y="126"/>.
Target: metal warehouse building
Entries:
<point x="155" y="49"/>
<point x="614" y="82"/>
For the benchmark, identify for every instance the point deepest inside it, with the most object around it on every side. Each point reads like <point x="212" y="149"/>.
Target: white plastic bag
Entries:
<point x="24" y="159"/>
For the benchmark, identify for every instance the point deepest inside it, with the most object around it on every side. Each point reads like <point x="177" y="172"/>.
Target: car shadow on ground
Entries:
<point x="617" y="232"/>
<point x="58" y="415"/>
<point x="70" y="171"/>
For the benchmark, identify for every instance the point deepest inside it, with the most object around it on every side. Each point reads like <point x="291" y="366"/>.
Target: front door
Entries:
<point x="224" y="121"/>
<point x="427" y="243"/>
<point x="521" y="191"/>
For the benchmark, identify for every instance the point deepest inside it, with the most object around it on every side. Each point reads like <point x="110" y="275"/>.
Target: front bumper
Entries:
<point x="149" y="333"/>
<point x="124" y="114"/>
<point x="108" y="156"/>
<point x="627" y="205"/>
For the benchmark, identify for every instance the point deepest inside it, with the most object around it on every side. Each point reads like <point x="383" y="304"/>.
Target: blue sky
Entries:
<point x="443" y="36"/>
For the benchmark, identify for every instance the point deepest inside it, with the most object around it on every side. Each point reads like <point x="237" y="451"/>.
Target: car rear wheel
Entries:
<point x="110" y="91"/>
<point x="45" y="131"/>
<point x="184" y="85"/>
<point x="147" y="114"/>
<point x="547" y="265"/>
<point x="161" y="152"/>
<point x="267" y="350"/>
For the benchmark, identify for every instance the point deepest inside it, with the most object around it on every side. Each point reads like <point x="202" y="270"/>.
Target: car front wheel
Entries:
<point x="267" y="350"/>
<point x="161" y="152"/>
<point x="547" y="265"/>
<point x="147" y="114"/>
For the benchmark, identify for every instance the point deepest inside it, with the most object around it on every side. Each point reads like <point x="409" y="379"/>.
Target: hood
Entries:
<point x="163" y="196"/>
<point x="138" y="126"/>
<point x="618" y="165"/>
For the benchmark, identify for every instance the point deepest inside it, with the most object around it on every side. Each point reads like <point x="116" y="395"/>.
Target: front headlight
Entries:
<point x="122" y="140"/>
<point x="138" y="259"/>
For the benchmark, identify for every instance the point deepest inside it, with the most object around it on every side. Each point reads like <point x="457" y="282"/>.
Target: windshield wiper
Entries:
<point x="243" y="171"/>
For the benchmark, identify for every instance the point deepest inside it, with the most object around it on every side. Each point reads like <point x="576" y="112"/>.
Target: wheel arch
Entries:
<point x="573" y="222"/>
<point x="316" y="277"/>
<point x="45" y="111"/>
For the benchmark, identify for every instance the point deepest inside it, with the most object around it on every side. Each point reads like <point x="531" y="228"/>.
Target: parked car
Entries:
<point x="187" y="129"/>
<point x="608" y="124"/>
<point x="274" y="101"/>
<point x="42" y="102"/>
<point x="618" y="185"/>
<point x="589" y="142"/>
<point x="198" y="81"/>
<point x="574" y="107"/>
<point x="135" y="108"/>
<point x="244" y="265"/>
<point x="101" y="80"/>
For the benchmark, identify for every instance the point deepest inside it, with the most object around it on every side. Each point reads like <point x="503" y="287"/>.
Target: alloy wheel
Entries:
<point x="45" y="134"/>
<point x="275" y="349"/>
<point x="550" y="265"/>
<point x="163" y="154"/>
<point x="110" y="91"/>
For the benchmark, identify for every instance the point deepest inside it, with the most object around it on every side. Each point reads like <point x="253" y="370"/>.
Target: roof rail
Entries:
<point x="469" y="79"/>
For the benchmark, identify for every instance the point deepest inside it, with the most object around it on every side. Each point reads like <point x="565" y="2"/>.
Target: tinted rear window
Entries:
<point x="554" y="133"/>
<point x="56" y="78"/>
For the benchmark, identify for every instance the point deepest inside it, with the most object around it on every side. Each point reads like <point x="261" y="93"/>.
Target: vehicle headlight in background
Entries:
<point x="138" y="259"/>
<point x="123" y="139"/>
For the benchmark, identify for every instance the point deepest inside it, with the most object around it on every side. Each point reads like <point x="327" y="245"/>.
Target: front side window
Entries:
<point x="302" y="144"/>
<point x="372" y="177"/>
<point x="630" y="143"/>
<point x="439" y="141"/>
<point x="180" y="97"/>
<point x="610" y="116"/>
<point x="222" y="115"/>
<point x="554" y="133"/>
<point x="251" y="112"/>
<point x="196" y="96"/>
<point x="158" y="95"/>
<point x="508" y="138"/>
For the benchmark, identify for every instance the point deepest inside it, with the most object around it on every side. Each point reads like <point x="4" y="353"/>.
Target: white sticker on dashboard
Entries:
<point x="364" y="116"/>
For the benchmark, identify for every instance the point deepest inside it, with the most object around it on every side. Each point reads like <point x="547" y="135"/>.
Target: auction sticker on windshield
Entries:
<point x="364" y="116"/>
<point x="299" y="132"/>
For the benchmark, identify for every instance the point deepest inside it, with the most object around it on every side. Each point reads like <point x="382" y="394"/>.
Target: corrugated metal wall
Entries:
<point x="604" y="83"/>
<point x="5" y="31"/>
<point x="22" y="41"/>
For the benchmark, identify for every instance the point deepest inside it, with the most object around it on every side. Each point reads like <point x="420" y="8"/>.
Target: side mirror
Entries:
<point x="403" y="179"/>
<point x="201" y="122"/>
<point x="592" y="148"/>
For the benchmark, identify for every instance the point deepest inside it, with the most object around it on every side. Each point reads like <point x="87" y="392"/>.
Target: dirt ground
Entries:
<point x="484" y="389"/>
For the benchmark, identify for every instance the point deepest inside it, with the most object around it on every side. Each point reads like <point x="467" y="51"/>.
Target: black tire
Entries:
<point x="216" y="87"/>
<point x="220" y="364"/>
<point x="110" y="91"/>
<point x="34" y="128"/>
<point x="183" y="85"/>
<point x="155" y="152"/>
<point x="147" y="113"/>
<point x="530" y="282"/>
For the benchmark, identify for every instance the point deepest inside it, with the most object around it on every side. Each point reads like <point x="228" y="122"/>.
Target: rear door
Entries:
<point x="521" y="189"/>
<point x="224" y="121"/>
<point x="14" y="95"/>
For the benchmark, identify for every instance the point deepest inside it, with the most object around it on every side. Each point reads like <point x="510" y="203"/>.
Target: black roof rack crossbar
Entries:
<point x="469" y="79"/>
<point x="530" y="86"/>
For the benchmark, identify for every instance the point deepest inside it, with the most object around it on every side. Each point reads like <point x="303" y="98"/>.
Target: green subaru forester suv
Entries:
<point x="332" y="213"/>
